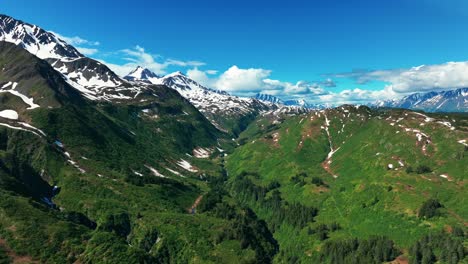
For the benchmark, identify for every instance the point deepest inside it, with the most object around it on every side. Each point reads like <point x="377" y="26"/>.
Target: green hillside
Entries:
<point x="151" y="180"/>
<point x="124" y="188"/>
<point x="374" y="184"/>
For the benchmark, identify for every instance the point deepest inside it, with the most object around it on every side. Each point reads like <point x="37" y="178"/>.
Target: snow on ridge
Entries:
<point x="26" y="100"/>
<point x="155" y="172"/>
<point x="202" y="153"/>
<point x="186" y="165"/>
<point x="175" y="172"/>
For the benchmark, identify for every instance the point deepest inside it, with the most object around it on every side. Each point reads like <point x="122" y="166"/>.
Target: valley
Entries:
<point x="95" y="168"/>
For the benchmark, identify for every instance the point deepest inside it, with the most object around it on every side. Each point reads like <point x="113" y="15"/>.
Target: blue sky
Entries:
<point x="332" y="51"/>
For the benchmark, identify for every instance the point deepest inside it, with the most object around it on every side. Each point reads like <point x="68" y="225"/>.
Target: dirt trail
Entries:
<point x="459" y="218"/>
<point x="192" y="210"/>
<point x="400" y="260"/>
<point x="16" y="259"/>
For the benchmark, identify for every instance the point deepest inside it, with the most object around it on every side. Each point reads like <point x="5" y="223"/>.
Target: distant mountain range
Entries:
<point x="96" y="167"/>
<point x="445" y="101"/>
<point x="300" y="103"/>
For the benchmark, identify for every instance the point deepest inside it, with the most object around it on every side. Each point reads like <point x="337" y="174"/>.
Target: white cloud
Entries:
<point x="211" y="72"/>
<point x="354" y="96"/>
<point x="242" y="80"/>
<point x="138" y="56"/>
<point x="76" y="41"/>
<point x="87" y="51"/>
<point x="247" y="82"/>
<point x="300" y="88"/>
<point x="424" y="78"/>
<point x="202" y="77"/>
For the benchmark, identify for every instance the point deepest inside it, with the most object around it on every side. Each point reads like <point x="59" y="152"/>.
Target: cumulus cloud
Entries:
<point x="354" y="96"/>
<point x="77" y="41"/>
<point x="138" y="56"/>
<point x="202" y="77"/>
<point x="328" y="83"/>
<point x="84" y="46"/>
<point x="424" y="78"/>
<point x="299" y="88"/>
<point x="247" y="82"/>
<point x="242" y="80"/>
<point x="87" y="51"/>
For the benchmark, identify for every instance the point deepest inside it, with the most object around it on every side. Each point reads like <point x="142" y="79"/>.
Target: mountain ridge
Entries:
<point x="443" y="101"/>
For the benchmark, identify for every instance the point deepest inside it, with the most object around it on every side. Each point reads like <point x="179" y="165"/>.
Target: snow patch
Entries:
<point x="202" y="153"/>
<point x="155" y="172"/>
<point x="463" y="142"/>
<point x="186" y="165"/>
<point x="9" y="114"/>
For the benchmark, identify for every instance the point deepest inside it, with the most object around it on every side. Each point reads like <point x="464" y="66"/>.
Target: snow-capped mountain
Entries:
<point x="37" y="41"/>
<point x="97" y="82"/>
<point x="445" y="101"/>
<point x="141" y="74"/>
<point x="296" y="103"/>
<point x="268" y="98"/>
<point x="216" y="105"/>
<point x="85" y="74"/>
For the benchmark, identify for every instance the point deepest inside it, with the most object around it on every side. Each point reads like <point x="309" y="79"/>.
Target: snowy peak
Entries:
<point x="140" y="73"/>
<point x="84" y="74"/>
<point x="268" y="98"/>
<point x="37" y="41"/>
<point x="298" y="102"/>
<point x="445" y="101"/>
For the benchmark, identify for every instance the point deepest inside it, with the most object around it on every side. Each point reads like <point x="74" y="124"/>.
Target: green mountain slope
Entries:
<point x="151" y="180"/>
<point x="107" y="183"/>
<point x="381" y="168"/>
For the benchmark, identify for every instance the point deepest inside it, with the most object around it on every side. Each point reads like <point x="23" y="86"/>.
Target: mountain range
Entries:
<point x="445" y="101"/>
<point x="99" y="168"/>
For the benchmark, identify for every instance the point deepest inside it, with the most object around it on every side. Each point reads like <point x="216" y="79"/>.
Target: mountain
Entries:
<point x="107" y="177"/>
<point x="97" y="82"/>
<point x="141" y="74"/>
<point x="268" y="98"/>
<point x="365" y="176"/>
<point x="37" y="41"/>
<point x="136" y="172"/>
<point x="87" y="75"/>
<point x="227" y="112"/>
<point x="445" y="101"/>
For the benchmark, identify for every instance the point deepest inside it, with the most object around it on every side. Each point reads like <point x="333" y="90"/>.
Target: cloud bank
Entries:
<point x="249" y="81"/>
<point x="138" y="56"/>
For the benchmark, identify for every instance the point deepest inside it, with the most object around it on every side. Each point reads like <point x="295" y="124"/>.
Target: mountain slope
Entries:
<point x="85" y="74"/>
<point x="268" y="98"/>
<point x="366" y="172"/>
<point x="228" y="113"/>
<point x="445" y="101"/>
<point x="97" y="82"/>
<point x="140" y="74"/>
<point x="122" y="174"/>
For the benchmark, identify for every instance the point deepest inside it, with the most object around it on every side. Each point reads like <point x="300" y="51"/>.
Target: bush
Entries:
<point x="318" y="181"/>
<point x="4" y="259"/>
<point x="409" y="169"/>
<point x="430" y="208"/>
<point x="423" y="169"/>
<point x="118" y="223"/>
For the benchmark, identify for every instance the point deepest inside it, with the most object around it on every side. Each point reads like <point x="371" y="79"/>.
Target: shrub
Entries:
<point x="318" y="181"/>
<point x="430" y="208"/>
<point x="409" y="169"/>
<point x="423" y="169"/>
